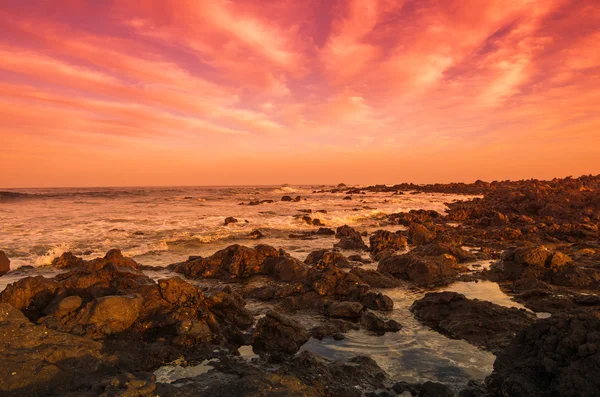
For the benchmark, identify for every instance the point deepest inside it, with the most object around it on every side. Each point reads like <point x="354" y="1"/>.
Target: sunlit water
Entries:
<point x="159" y="226"/>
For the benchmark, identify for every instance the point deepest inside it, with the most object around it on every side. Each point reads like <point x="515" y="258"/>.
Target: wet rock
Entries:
<point x="427" y="389"/>
<point x="235" y="261"/>
<point x="67" y="261"/>
<point x="374" y="278"/>
<point x="307" y="301"/>
<point x="287" y="198"/>
<point x="332" y="327"/>
<point x="385" y="240"/>
<point x="437" y="249"/>
<point x="344" y="310"/>
<point x="377" y="301"/>
<point x="103" y="316"/>
<point x="4" y="263"/>
<point x="558" y="356"/>
<point x="323" y="259"/>
<point x="37" y="360"/>
<point x="277" y="335"/>
<point x="336" y="283"/>
<point x="358" y="258"/>
<point x="481" y="323"/>
<point x="349" y="238"/>
<point x="324" y="231"/>
<point x="419" y="234"/>
<point x="256" y="234"/>
<point x="30" y="295"/>
<point x="419" y="270"/>
<point x="374" y="323"/>
<point x="317" y="222"/>
<point x="230" y="220"/>
<point x="285" y="268"/>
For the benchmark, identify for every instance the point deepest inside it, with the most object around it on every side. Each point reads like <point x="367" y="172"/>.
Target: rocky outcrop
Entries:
<point x="419" y="270"/>
<point x="323" y="259"/>
<point x="235" y="261"/>
<point x="552" y="267"/>
<point x="478" y="322"/>
<point x="37" y="360"/>
<point x="349" y="238"/>
<point x="377" y="301"/>
<point x="108" y="297"/>
<point x="375" y="279"/>
<point x="383" y="240"/>
<point x="277" y="335"/>
<point x="558" y="356"/>
<point x="419" y="234"/>
<point x="374" y="323"/>
<point x="349" y="310"/>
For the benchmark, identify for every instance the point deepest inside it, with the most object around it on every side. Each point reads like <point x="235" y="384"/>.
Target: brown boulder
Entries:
<point x="235" y="261"/>
<point x="383" y="240"/>
<point x="419" y="234"/>
<point x="478" y="322"/>
<point x="349" y="238"/>
<point x="278" y="335"/>
<point x="286" y="268"/>
<point x="344" y="309"/>
<point x="39" y="361"/>
<point x="419" y="270"/>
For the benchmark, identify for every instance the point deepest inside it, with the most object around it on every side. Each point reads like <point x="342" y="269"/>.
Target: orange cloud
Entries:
<point x="467" y="89"/>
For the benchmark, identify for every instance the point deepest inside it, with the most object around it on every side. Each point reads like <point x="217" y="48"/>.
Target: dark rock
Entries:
<point x="278" y="335"/>
<point x="285" y="268"/>
<point x="349" y="238"/>
<point x="558" y="356"/>
<point x="377" y="301"/>
<point x="323" y="259"/>
<point x="375" y="279"/>
<point x="332" y="327"/>
<point x="344" y="310"/>
<point x="478" y="322"/>
<point x="385" y="240"/>
<point x="419" y="234"/>
<point x="256" y="234"/>
<point x="68" y="261"/>
<point x="230" y="219"/>
<point x="287" y="198"/>
<point x="336" y="283"/>
<point x="234" y="261"/>
<point x="419" y="270"/>
<point x="324" y="231"/>
<point x="374" y="323"/>
<point x="317" y="222"/>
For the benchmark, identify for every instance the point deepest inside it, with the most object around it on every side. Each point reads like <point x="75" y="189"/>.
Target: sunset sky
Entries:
<point x="193" y="92"/>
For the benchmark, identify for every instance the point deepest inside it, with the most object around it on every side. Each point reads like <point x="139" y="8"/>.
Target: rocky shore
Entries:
<point x="103" y="327"/>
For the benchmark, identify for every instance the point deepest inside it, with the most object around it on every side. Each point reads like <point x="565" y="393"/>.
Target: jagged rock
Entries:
<point x="419" y="270"/>
<point x="323" y="259"/>
<point x="385" y="240"/>
<point x="481" y="323"/>
<point x="37" y="360"/>
<point x="377" y="301"/>
<point x="235" y="261"/>
<point x="558" y="356"/>
<point x="278" y="335"/>
<point x="372" y="322"/>
<point x="349" y="238"/>
<point x="285" y="268"/>
<point x="374" y="278"/>
<point x="344" y="309"/>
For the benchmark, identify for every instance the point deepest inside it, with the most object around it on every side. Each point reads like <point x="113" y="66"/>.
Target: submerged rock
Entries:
<point x="478" y="322"/>
<point x="229" y="220"/>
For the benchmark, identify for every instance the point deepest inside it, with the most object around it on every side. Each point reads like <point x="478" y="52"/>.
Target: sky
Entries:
<point x="245" y="92"/>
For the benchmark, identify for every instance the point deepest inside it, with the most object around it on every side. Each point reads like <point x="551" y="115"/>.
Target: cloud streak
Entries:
<point x="214" y="84"/>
